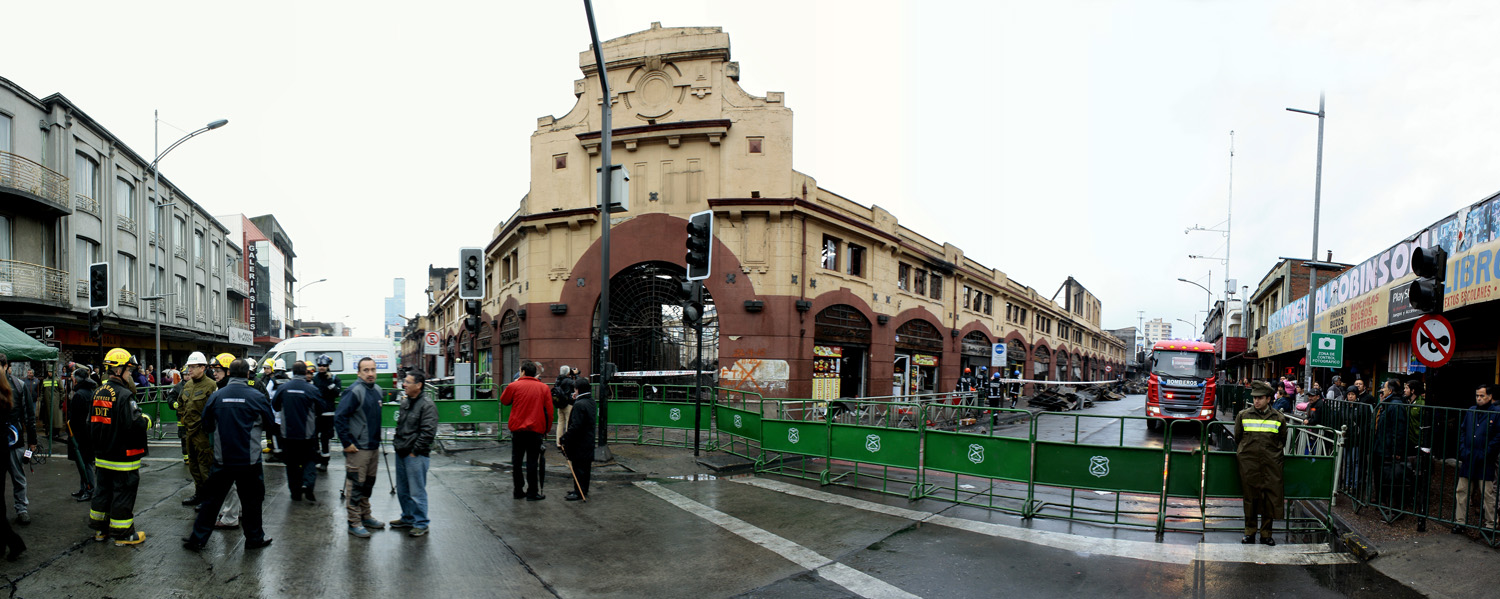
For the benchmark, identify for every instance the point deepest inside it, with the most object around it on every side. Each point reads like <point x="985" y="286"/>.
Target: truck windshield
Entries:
<point x="1182" y="364"/>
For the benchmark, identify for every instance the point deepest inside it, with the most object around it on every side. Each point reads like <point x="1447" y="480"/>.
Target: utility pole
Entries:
<point x="602" y="366"/>
<point x="1312" y="270"/>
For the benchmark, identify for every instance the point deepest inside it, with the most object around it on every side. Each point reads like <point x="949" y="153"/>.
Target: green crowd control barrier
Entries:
<point x="987" y="462"/>
<point x="737" y="428"/>
<point x="873" y="457"/>
<point x="795" y="448"/>
<point x="1131" y="478"/>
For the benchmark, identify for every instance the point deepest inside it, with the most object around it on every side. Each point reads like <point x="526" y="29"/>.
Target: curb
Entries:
<point x="1349" y="538"/>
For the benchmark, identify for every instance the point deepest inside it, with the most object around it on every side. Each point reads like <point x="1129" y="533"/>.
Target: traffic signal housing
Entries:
<point x="99" y="286"/>
<point x="692" y="303"/>
<point x="700" y="245"/>
<point x="472" y="320"/>
<point x="1431" y="267"/>
<point x="96" y="324"/>
<point x="471" y="273"/>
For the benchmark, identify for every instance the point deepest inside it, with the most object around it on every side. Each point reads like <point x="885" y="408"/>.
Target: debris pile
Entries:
<point x="1054" y="401"/>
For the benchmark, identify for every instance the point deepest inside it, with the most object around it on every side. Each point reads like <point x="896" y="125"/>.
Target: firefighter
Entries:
<point x="1261" y="433"/>
<point x="331" y="388"/>
<point x="117" y="440"/>
<point x="194" y="396"/>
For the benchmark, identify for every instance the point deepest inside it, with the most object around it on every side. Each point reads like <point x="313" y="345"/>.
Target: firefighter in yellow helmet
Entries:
<point x="117" y="439"/>
<point x="1261" y="434"/>
<point x="196" y="387"/>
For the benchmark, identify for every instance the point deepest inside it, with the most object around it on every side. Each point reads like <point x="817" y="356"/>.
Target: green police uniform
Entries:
<point x="190" y="416"/>
<point x="1261" y="434"/>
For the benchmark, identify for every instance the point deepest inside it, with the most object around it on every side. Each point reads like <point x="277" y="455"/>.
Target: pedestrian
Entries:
<point x="416" y="427"/>
<point x="13" y="543"/>
<point x="331" y="388"/>
<point x="234" y="419"/>
<point x="21" y="416"/>
<point x="228" y="517"/>
<point x="530" y="419"/>
<point x="117" y="440"/>
<point x="1282" y="403"/>
<point x="1364" y="396"/>
<point x="577" y="443"/>
<point x="562" y="398"/>
<point x="1421" y="420"/>
<point x="299" y="404"/>
<point x="191" y="399"/>
<point x="1335" y="390"/>
<point x="358" y="423"/>
<point x="1478" y="450"/>
<point x="1261" y="433"/>
<point x="80" y="404"/>
<point x="1288" y="386"/>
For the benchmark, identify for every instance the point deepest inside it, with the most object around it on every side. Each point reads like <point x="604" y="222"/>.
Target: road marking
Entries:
<point x="1300" y="554"/>
<point x="857" y="582"/>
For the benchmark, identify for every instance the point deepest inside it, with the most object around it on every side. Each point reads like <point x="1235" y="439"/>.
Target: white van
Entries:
<point x="345" y="352"/>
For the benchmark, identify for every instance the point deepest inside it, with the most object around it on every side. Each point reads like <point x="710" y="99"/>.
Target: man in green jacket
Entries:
<point x="1261" y="434"/>
<point x="196" y="389"/>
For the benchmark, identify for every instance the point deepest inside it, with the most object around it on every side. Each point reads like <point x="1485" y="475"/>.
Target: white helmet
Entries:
<point x="251" y="362"/>
<point x="196" y="358"/>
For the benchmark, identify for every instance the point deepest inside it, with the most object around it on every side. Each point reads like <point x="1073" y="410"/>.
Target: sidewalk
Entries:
<point x="1460" y="565"/>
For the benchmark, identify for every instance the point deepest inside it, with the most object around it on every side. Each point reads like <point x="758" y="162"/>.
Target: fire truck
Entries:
<point x="1182" y="384"/>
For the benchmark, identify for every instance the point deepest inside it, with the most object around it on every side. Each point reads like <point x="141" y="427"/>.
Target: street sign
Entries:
<point x="1109" y="368"/>
<point x="998" y="356"/>
<point x="1432" y="340"/>
<point x="1327" y="350"/>
<point x="430" y="343"/>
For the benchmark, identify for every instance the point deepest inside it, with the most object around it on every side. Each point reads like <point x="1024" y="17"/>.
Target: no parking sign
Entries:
<point x="997" y="356"/>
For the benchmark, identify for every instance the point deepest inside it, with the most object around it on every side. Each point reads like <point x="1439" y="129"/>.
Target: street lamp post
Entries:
<point x="1208" y="303"/>
<point x="1185" y="321"/>
<point x="1312" y="272"/>
<point x="299" y="289"/>
<point x="606" y="131"/>
<point x="156" y="205"/>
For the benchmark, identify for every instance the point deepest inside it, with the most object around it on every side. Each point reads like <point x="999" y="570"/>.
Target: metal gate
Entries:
<point x="645" y="321"/>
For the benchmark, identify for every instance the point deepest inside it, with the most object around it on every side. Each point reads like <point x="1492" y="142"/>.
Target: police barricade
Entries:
<point x="794" y="443"/>
<point x="458" y="419"/>
<point x="997" y="468"/>
<point x="1357" y="422"/>
<point x="1310" y="471"/>
<point x="1122" y="485"/>
<point x="623" y="412"/>
<point x="154" y="403"/>
<point x="737" y="428"/>
<point x="865" y="452"/>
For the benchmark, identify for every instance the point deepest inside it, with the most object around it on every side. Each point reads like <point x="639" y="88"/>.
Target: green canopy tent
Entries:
<point x="20" y="347"/>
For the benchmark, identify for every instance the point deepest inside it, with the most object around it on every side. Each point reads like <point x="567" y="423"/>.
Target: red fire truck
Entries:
<point x="1182" y="384"/>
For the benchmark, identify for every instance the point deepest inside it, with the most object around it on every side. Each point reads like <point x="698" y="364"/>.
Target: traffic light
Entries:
<point x="96" y="324"/>
<point x="692" y="303"/>
<point x="471" y="273"/>
<point x="99" y="286"/>
<point x="1431" y="267"/>
<point x="700" y="245"/>
<point x="472" y="321"/>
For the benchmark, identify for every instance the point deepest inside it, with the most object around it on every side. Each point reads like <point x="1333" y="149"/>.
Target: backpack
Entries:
<point x="562" y="393"/>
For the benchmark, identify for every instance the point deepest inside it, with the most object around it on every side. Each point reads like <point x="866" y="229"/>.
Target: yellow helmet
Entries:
<point x="223" y="360"/>
<point x="117" y="357"/>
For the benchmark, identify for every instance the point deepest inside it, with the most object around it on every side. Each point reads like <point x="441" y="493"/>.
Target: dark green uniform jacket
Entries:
<point x="1261" y="435"/>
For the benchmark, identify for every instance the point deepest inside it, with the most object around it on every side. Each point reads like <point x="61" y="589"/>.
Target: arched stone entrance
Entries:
<point x="645" y="321"/>
<point x="841" y="350"/>
<point x="918" y="346"/>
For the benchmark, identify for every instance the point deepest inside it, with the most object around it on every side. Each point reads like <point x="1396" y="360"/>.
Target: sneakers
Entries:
<point x="399" y="523"/>
<point x="535" y="497"/>
<point x="192" y="500"/>
<point x="373" y="523"/>
<point x="417" y="531"/>
<point x="573" y="496"/>
<point x="359" y="531"/>
<point x="258" y="544"/>
<point x="135" y="538"/>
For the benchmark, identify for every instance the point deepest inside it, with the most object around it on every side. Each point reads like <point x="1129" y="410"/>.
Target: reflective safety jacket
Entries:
<point x="117" y="428"/>
<point x="1261" y="435"/>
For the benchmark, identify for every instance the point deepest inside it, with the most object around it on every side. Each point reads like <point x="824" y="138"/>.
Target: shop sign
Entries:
<point x="924" y="360"/>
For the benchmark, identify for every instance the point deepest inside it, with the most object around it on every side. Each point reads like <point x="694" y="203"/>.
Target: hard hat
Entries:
<point x="117" y="357"/>
<point x="251" y="362"/>
<point x="277" y="364"/>
<point x="966" y="371"/>
<point x="223" y="360"/>
<point x="196" y="358"/>
<point x="272" y="364"/>
<point x="325" y="361"/>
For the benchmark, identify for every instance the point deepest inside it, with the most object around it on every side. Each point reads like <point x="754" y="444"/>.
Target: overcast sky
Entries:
<point x="1046" y="139"/>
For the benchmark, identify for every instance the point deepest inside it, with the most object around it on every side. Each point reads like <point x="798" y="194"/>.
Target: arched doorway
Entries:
<point x="1041" y="363"/>
<point x="1062" y="366"/>
<point x="1016" y="356"/>
<point x="645" y="321"/>
<point x="918" y="345"/>
<point x="841" y="350"/>
<point x="510" y="346"/>
<point x="974" y="353"/>
<point x="1077" y="368"/>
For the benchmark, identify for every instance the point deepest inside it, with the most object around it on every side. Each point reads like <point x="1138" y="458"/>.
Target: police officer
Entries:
<point x="117" y="440"/>
<point x="196" y="389"/>
<point x="331" y="388"/>
<point x="1261" y="433"/>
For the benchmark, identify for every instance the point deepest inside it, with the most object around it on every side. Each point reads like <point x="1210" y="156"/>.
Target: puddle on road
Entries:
<point x="700" y="477"/>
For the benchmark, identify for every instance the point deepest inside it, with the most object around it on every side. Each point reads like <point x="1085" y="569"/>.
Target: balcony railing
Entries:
<point x="21" y="174"/>
<point x="86" y="204"/>
<point x="180" y="311"/>
<point x="199" y="262"/>
<point x="178" y="252"/>
<point x="19" y="279"/>
<point x="83" y="288"/>
<point x="125" y="223"/>
<point x="201" y="317"/>
<point x="127" y="297"/>
<point x="239" y="324"/>
<point x="236" y="283"/>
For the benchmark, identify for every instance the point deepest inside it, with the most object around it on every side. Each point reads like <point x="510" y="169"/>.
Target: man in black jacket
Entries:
<point x="299" y="404"/>
<point x="578" y="442"/>
<point x="117" y="440"/>
<point x="235" y="418"/>
<point x="331" y="388"/>
<point x="77" y="416"/>
<point x="416" y="427"/>
<point x="22" y="440"/>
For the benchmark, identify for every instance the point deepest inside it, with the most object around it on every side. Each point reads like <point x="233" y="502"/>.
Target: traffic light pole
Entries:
<point x="601" y="364"/>
<point x="1312" y="271"/>
<point x="697" y="300"/>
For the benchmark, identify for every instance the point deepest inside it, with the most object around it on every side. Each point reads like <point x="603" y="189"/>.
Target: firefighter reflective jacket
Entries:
<point x="117" y="428"/>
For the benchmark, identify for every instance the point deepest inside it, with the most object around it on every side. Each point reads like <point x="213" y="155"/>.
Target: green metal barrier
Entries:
<point x="737" y="426"/>
<point x="1119" y="470"/>
<point x="881" y="447"/>
<point x="986" y="460"/>
<point x="805" y="441"/>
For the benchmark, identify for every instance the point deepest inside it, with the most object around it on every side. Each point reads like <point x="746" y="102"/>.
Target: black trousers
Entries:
<point x="301" y="457"/>
<point x="250" y="481"/>
<point x="325" y="434"/>
<point x="582" y="460"/>
<point x="113" y="508"/>
<point x="8" y="535"/>
<point x="526" y="446"/>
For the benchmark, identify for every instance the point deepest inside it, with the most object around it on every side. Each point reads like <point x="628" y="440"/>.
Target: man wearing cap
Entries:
<point x="1261" y="433"/>
<point x="191" y="400"/>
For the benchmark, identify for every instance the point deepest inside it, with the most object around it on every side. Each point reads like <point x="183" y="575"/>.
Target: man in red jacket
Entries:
<point x="530" y="419"/>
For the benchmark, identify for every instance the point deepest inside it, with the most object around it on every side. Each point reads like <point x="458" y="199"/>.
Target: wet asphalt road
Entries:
<point x="712" y="537"/>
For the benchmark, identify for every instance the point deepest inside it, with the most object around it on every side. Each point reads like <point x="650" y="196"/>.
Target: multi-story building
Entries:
<point x="73" y="194"/>
<point x="812" y="294"/>
<point x="1283" y="285"/>
<point x="395" y="307"/>
<point x="1155" y="330"/>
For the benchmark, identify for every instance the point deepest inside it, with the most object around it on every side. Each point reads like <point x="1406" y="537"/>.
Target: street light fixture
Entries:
<point x="156" y="294"/>
<point x="299" y="289"/>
